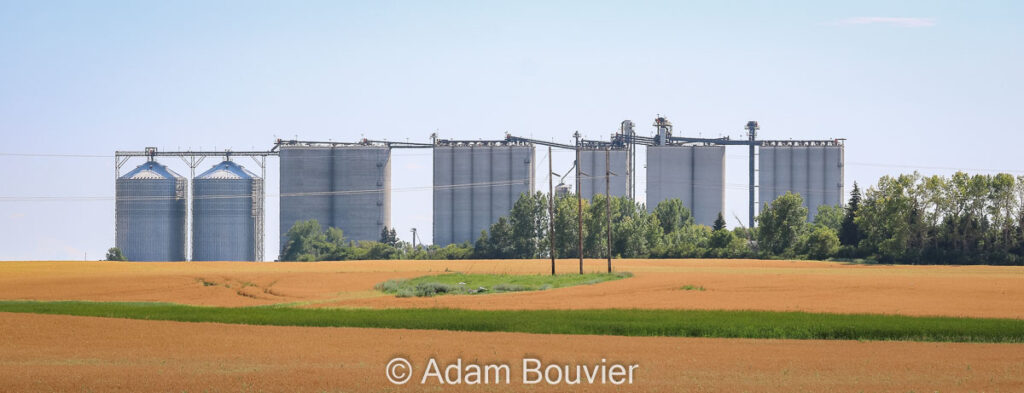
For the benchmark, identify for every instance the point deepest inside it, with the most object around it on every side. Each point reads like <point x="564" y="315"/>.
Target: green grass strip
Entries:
<point x="481" y="284"/>
<point x="670" y="323"/>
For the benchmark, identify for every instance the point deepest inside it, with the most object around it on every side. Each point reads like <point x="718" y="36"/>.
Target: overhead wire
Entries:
<point x="640" y="183"/>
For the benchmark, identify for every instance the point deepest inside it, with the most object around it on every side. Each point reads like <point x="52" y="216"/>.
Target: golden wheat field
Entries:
<point x="969" y="291"/>
<point x="65" y="353"/>
<point x="70" y="353"/>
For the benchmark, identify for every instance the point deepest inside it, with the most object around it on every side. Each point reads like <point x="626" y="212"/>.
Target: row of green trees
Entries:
<point x="307" y="242"/>
<point x="960" y="219"/>
<point x="666" y="232"/>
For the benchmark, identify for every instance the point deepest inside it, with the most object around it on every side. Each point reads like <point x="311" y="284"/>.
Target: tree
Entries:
<point x="830" y="217"/>
<point x="690" y="241"/>
<point x="884" y="218"/>
<point x="719" y="222"/>
<point x="529" y="226"/>
<point x="521" y="234"/>
<point x="389" y="236"/>
<point x="721" y="238"/>
<point x="849" y="232"/>
<point x="640" y="235"/>
<point x="821" y="243"/>
<point x="780" y="224"/>
<point x="672" y="215"/>
<point x="114" y="254"/>
<point x="334" y="247"/>
<point x="376" y="251"/>
<point x="304" y="242"/>
<point x="566" y="226"/>
<point x="496" y="243"/>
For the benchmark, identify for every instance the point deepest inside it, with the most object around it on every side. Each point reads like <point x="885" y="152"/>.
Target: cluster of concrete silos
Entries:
<point x="348" y="186"/>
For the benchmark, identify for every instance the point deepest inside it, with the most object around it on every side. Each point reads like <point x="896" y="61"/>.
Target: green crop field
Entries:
<point x="674" y="323"/>
<point x="478" y="284"/>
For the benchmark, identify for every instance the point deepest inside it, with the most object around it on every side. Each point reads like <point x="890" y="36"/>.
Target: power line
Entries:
<point x="49" y="155"/>
<point x="46" y="198"/>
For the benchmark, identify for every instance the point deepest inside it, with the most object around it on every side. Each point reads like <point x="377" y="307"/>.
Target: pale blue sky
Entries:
<point x="913" y="84"/>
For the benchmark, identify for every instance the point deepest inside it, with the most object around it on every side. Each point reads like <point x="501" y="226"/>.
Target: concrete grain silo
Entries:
<point x="592" y="163"/>
<point x="227" y="214"/>
<point x="813" y="170"/>
<point x="151" y="213"/>
<point x="475" y="183"/>
<point x="693" y="174"/>
<point x="345" y="186"/>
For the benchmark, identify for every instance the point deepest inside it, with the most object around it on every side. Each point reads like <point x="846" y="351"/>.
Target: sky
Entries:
<point x="932" y="86"/>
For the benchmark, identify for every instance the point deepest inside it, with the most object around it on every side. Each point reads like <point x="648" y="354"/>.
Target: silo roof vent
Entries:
<point x="227" y="170"/>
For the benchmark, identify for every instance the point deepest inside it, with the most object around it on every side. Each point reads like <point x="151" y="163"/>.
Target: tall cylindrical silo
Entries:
<point x="670" y="174"/>
<point x="708" y="184"/>
<point x="815" y="180"/>
<point x="480" y="193"/>
<point x="443" y="195"/>
<point x="226" y="202"/>
<point x="593" y="167"/>
<point x="361" y="191"/>
<point x="620" y="173"/>
<point x="834" y="175"/>
<point x="305" y="187"/>
<point x="150" y="211"/>
<point x="801" y="167"/>
<point x="783" y="171"/>
<point x="522" y="173"/>
<point x="765" y="176"/>
<point x="462" y="195"/>
<point x="501" y="194"/>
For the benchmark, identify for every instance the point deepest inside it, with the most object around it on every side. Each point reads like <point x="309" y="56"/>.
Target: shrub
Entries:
<point x="389" y="285"/>
<point x="427" y="289"/>
<point x="822" y="243"/>
<point x="114" y="254"/>
<point x="510" y="288"/>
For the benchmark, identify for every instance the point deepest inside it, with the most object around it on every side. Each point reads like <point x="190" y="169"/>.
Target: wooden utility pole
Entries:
<point x="608" y="200"/>
<point x="551" y="211"/>
<point x="579" y="200"/>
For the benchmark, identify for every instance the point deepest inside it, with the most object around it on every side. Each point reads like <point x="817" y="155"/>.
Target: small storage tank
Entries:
<point x="150" y="212"/>
<point x="227" y="214"/>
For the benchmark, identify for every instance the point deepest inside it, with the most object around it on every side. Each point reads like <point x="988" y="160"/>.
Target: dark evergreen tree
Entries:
<point x="719" y="222"/>
<point x="389" y="236"/>
<point x="849" y="232"/>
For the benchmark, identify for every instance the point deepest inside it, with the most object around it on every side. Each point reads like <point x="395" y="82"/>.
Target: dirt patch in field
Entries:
<point x="973" y="291"/>
<point x="66" y="353"/>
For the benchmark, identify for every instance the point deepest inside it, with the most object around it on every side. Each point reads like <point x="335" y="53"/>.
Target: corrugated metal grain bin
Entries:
<point x="227" y="208"/>
<point x="151" y="213"/>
